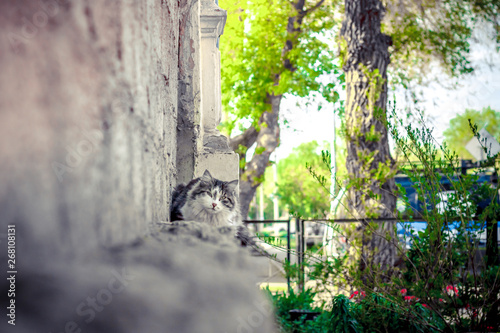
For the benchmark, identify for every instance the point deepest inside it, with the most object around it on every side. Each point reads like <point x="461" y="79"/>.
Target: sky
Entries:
<point x="443" y="99"/>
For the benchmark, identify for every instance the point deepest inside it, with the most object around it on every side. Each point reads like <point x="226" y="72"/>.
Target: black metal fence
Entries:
<point x="300" y="236"/>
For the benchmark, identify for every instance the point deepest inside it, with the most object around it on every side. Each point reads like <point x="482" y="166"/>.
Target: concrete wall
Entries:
<point x="88" y="116"/>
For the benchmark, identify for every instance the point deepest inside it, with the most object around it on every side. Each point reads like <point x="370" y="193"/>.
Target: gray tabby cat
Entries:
<point x="207" y="199"/>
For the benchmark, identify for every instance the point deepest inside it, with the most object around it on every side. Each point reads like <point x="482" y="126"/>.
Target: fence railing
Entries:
<point x="300" y="247"/>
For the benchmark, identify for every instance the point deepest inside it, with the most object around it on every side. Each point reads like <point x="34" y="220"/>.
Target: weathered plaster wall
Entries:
<point x="88" y="116"/>
<point x="99" y="113"/>
<point x="189" y="114"/>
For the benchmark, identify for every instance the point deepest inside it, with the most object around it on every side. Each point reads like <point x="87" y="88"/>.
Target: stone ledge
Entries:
<point x="187" y="277"/>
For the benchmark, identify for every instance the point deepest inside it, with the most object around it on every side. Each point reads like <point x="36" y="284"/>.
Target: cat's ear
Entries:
<point x="207" y="177"/>
<point x="232" y="185"/>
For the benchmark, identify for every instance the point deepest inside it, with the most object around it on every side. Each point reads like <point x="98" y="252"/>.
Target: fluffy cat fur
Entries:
<point x="207" y="199"/>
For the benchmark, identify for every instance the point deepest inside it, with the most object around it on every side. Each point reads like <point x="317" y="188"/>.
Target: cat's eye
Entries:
<point x="209" y="193"/>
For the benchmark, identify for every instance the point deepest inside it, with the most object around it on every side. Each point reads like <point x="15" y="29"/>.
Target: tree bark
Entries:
<point x="267" y="140"/>
<point x="366" y="57"/>
<point x="246" y="139"/>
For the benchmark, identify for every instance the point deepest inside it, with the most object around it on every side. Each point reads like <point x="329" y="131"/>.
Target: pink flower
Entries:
<point x="357" y="293"/>
<point x="441" y="300"/>
<point x="451" y="290"/>
<point x="425" y="306"/>
<point x="409" y="298"/>
<point x="403" y="291"/>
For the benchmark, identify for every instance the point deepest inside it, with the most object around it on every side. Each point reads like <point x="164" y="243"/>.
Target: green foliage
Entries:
<point x="458" y="133"/>
<point x="373" y="313"/>
<point x="301" y="301"/>
<point x="302" y="195"/>
<point x="253" y="60"/>
<point x="426" y="32"/>
<point x="342" y="317"/>
<point x="442" y="285"/>
<point x="260" y="150"/>
<point x="378" y="313"/>
<point x="283" y="303"/>
<point x="439" y="259"/>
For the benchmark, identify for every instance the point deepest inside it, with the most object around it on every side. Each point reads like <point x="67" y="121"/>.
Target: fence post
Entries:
<point x="299" y="237"/>
<point x="288" y="250"/>
<point x="302" y="253"/>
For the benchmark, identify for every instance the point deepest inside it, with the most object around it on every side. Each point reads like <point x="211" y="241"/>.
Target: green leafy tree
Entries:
<point x="413" y="35"/>
<point x="301" y="193"/>
<point x="269" y="48"/>
<point x="459" y="132"/>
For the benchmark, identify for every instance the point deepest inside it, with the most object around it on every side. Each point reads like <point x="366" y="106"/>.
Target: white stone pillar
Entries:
<point x="217" y="156"/>
<point x="212" y="21"/>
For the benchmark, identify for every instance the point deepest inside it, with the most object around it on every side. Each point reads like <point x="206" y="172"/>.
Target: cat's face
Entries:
<point x="216" y="196"/>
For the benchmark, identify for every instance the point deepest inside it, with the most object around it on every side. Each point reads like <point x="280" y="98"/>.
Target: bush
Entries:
<point x="373" y="313"/>
<point x="440" y="286"/>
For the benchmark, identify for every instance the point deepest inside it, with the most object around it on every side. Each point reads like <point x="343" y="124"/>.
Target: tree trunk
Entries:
<point x="267" y="139"/>
<point x="369" y="162"/>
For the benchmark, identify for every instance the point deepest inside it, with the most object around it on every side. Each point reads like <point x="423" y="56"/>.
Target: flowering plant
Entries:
<point x="411" y="298"/>
<point x="451" y="290"/>
<point x="358" y="295"/>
